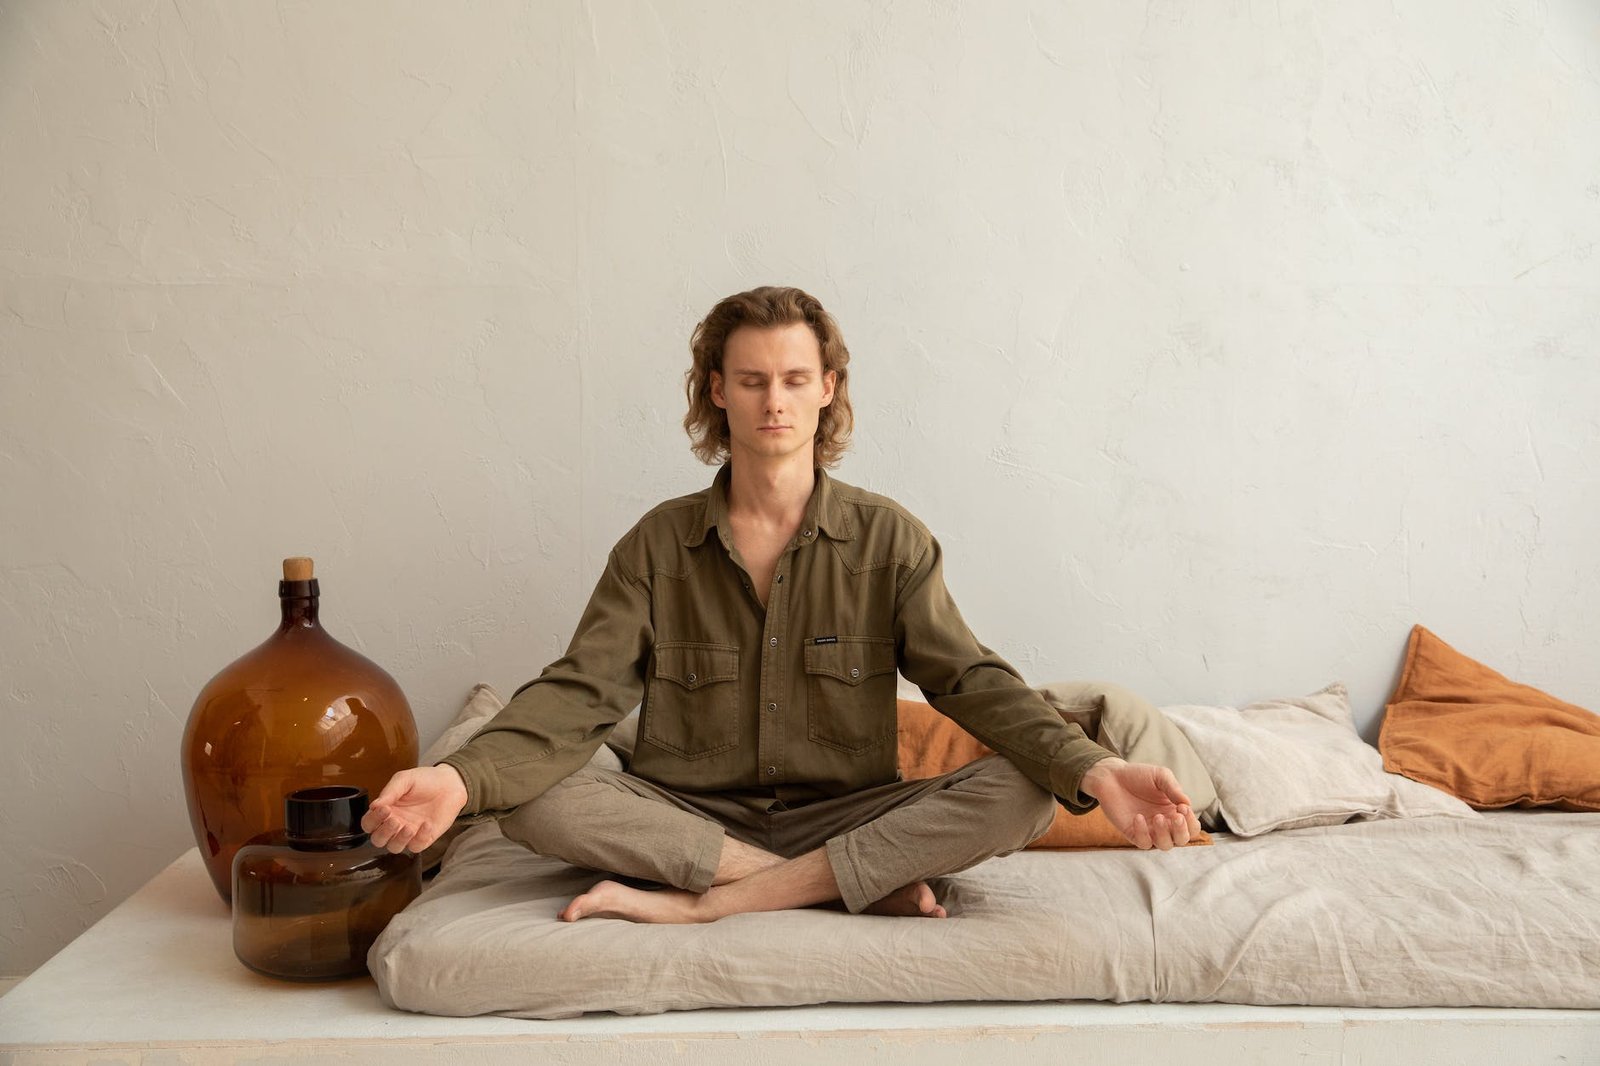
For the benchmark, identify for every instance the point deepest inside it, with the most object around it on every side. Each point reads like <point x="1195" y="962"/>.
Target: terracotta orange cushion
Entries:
<point x="1455" y="724"/>
<point x="931" y="744"/>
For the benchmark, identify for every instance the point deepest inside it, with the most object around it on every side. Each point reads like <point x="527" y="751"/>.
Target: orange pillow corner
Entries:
<point x="1460" y="726"/>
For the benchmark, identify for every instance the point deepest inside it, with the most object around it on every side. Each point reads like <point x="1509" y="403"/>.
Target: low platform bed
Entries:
<point x="1339" y="913"/>
<point x="156" y="981"/>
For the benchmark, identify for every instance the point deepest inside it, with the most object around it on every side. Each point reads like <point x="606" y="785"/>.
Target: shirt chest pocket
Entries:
<point x="691" y="707"/>
<point x="850" y="691"/>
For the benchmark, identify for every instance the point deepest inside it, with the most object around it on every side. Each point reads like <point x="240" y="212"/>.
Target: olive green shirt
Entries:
<point x="797" y="697"/>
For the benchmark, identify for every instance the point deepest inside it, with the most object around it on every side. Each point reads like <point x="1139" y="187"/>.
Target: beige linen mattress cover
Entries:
<point x="1499" y="911"/>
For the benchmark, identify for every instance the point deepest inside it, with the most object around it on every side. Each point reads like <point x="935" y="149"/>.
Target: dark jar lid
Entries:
<point x="329" y="815"/>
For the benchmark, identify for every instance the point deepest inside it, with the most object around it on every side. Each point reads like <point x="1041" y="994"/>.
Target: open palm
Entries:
<point x="415" y="808"/>
<point x="1147" y="805"/>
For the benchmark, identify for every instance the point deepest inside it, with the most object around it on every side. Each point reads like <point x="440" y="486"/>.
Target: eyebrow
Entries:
<point x="791" y="372"/>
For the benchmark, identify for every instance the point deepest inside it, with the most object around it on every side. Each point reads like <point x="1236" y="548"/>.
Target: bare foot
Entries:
<point x="608" y="899"/>
<point x="916" y="901"/>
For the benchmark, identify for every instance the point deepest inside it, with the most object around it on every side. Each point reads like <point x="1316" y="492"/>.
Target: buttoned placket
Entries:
<point x="775" y="654"/>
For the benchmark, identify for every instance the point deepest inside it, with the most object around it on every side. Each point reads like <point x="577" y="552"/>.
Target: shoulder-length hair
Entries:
<point x="765" y="307"/>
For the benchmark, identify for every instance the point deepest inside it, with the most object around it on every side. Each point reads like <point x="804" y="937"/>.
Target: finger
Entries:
<point x="1180" y="830"/>
<point x="387" y="830"/>
<point x="374" y="817"/>
<point x="401" y="840"/>
<point x="402" y="837"/>
<point x="1140" y="837"/>
<point x="1161" y="833"/>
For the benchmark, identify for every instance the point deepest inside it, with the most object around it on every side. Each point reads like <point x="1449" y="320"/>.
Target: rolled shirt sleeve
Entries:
<point x="982" y="692"/>
<point x="554" y="723"/>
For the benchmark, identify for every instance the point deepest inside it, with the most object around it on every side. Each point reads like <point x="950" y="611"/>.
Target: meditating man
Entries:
<point x="761" y="622"/>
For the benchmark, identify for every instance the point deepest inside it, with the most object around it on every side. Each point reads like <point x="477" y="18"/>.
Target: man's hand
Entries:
<point x="1144" y="802"/>
<point x="415" y="808"/>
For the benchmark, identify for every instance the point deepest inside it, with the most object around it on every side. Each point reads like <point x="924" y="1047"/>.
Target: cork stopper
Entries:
<point x="297" y="569"/>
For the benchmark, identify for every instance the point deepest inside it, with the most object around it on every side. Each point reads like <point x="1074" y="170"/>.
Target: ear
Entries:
<point x="717" y="396"/>
<point x="830" y="378"/>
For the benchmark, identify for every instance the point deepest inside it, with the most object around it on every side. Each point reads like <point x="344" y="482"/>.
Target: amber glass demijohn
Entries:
<point x="310" y="899"/>
<point x="299" y="711"/>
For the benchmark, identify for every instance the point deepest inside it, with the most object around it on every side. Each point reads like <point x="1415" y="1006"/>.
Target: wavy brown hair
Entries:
<point x="766" y="307"/>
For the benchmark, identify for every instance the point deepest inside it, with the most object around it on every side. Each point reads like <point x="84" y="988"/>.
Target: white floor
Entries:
<point x="156" y="980"/>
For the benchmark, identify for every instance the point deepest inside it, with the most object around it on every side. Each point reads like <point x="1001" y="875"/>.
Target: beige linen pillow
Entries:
<point x="1290" y="763"/>
<point x="483" y="703"/>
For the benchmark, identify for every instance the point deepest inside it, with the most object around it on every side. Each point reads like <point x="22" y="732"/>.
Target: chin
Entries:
<point x="773" y="446"/>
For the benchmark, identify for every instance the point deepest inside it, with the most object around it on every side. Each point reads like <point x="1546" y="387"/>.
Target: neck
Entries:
<point x="773" y="492"/>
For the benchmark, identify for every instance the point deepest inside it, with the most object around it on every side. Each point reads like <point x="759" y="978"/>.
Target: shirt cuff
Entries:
<point x="1066" y="775"/>
<point x="477" y="774"/>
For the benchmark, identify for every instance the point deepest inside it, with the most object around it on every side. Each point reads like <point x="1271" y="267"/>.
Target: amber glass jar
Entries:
<point x="310" y="899"/>
<point x="300" y="710"/>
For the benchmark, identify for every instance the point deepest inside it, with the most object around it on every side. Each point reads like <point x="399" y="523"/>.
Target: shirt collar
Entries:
<point x="823" y="510"/>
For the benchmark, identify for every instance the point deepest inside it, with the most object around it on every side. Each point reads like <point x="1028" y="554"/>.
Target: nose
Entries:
<point x="774" y="397"/>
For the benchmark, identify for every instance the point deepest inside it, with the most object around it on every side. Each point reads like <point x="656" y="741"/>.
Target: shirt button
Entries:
<point x="807" y="533"/>
<point x="773" y="642"/>
<point x="853" y="673"/>
<point x="771" y="771"/>
<point x="772" y="706"/>
<point x="691" y="679"/>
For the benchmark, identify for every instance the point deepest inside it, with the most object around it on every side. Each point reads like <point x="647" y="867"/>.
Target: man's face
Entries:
<point x="773" y="388"/>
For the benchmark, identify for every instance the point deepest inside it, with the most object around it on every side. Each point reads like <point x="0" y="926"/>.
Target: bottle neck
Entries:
<point x="299" y="602"/>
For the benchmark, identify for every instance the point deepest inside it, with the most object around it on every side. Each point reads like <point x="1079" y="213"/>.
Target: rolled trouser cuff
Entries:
<point x="847" y="874"/>
<point x="702" y="871"/>
<point x="986" y="809"/>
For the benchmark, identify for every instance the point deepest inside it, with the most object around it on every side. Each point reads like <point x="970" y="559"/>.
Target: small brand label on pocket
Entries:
<point x="824" y="640"/>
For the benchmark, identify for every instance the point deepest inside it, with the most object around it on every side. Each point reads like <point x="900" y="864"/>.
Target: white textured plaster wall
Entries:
<point x="1219" y="342"/>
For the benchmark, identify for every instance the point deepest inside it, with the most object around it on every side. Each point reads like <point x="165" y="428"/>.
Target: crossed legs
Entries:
<point x="877" y="848"/>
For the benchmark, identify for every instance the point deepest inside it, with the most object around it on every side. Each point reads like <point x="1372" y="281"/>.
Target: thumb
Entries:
<point x="392" y="792"/>
<point x="1169" y="784"/>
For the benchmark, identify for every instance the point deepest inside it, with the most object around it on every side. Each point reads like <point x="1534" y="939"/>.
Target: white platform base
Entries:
<point x="155" y="981"/>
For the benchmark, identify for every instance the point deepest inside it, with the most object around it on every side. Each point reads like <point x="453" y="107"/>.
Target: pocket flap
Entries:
<point x="851" y="659"/>
<point x="694" y="665"/>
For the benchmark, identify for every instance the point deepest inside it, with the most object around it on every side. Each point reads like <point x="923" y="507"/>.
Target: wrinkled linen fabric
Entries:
<point x="1494" y="911"/>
